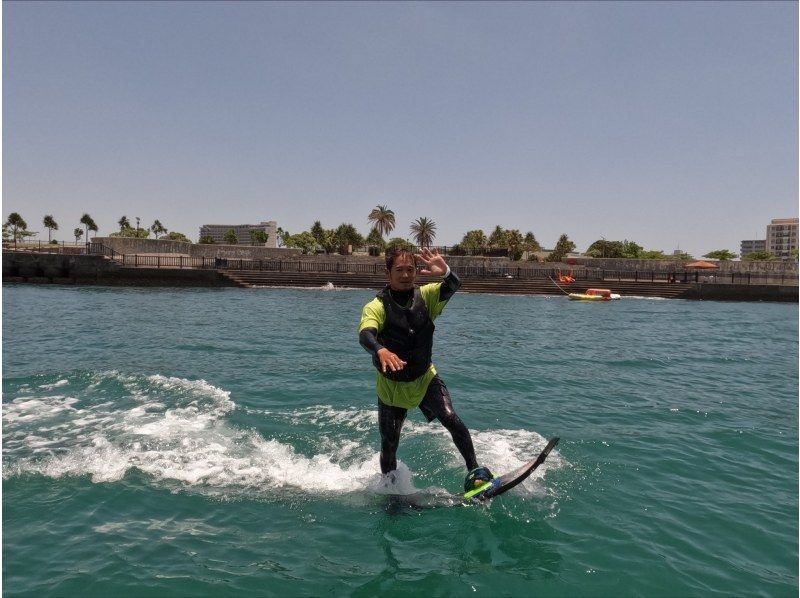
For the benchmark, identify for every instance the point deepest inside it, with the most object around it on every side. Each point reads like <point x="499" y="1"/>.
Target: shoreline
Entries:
<point x="99" y="270"/>
<point x="147" y="278"/>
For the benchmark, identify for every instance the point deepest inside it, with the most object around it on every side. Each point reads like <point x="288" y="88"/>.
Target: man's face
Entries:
<point x="403" y="273"/>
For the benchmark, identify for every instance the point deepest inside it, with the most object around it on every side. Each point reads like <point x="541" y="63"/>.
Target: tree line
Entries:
<point x="510" y="242"/>
<point x="15" y="229"/>
<point x="381" y="219"/>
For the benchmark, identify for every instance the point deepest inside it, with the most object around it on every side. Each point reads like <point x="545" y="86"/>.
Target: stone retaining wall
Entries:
<point x="131" y="246"/>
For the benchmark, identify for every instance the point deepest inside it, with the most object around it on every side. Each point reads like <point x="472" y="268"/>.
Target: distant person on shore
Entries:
<point x="397" y="330"/>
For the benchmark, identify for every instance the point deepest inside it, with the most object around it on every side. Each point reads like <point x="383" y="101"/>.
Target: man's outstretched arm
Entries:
<point x="369" y="340"/>
<point x="389" y="361"/>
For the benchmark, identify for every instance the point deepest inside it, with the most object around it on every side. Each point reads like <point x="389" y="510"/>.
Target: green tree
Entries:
<point x="124" y="223"/>
<point x="514" y="243"/>
<point x="50" y="224"/>
<point x="17" y="225"/>
<point x="562" y="248"/>
<point x="89" y="224"/>
<point x="206" y="240"/>
<point x="382" y="219"/>
<point x="174" y="236"/>
<point x="78" y="233"/>
<point x="423" y="231"/>
<point x="530" y="244"/>
<point x="157" y="228"/>
<point x="398" y="243"/>
<point x="345" y="235"/>
<point x="759" y="256"/>
<point x="473" y="241"/>
<point x="134" y="233"/>
<point x="230" y="237"/>
<point x="258" y="237"/>
<point x="324" y="237"/>
<point x="375" y="242"/>
<point x="603" y="248"/>
<point x="304" y="241"/>
<point x="682" y="256"/>
<point x="721" y="254"/>
<point x="497" y="239"/>
<point x="631" y="249"/>
<point x="318" y="232"/>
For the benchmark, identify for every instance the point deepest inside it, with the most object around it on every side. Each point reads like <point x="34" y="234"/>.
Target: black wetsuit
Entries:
<point x="436" y="403"/>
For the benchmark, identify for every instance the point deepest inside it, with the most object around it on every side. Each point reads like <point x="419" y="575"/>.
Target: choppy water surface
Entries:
<point x="200" y="442"/>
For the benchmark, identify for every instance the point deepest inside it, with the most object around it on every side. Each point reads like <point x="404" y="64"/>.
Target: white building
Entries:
<point x="217" y="233"/>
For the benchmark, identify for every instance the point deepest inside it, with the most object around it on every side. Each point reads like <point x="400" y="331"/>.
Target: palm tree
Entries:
<point x="17" y="224"/>
<point x="498" y="237"/>
<point x="514" y="241"/>
<point x="423" y="231"/>
<point x="89" y="223"/>
<point x="124" y="223"/>
<point x="382" y="219"/>
<point x="51" y="225"/>
<point x="78" y="234"/>
<point x="158" y="228"/>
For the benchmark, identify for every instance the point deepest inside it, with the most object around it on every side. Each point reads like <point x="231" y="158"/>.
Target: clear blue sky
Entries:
<point x="671" y="124"/>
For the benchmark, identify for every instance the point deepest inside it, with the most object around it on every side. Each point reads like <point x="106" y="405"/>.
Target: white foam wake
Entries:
<point x="176" y="431"/>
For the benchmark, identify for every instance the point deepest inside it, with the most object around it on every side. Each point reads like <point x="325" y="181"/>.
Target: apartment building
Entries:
<point x="782" y="236"/>
<point x="751" y="246"/>
<point x="217" y="233"/>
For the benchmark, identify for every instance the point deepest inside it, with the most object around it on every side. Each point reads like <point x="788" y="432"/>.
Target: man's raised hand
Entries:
<point x="434" y="263"/>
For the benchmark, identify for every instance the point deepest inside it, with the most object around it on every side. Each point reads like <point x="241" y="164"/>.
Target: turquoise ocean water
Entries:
<point x="224" y="442"/>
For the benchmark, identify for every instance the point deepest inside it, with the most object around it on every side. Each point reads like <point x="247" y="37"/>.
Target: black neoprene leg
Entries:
<point x="390" y="422"/>
<point x="437" y="401"/>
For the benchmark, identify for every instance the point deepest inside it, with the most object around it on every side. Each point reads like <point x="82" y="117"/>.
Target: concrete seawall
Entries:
<point x="94" y="269"/>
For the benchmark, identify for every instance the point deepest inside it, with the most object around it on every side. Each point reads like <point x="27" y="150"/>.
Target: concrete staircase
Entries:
<point x="512" y="286"/>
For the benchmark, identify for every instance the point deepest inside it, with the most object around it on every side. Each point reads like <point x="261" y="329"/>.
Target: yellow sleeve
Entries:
<point x="430" y="293"/>
<point x="372" y="316"/>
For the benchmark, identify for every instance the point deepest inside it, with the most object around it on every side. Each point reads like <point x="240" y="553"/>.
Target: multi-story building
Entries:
<point x="752" y="246"/>
<point x="782" y="236"/>
<point x="217" y="233"/>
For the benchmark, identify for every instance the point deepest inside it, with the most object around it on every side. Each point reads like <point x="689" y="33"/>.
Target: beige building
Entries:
<point x="217" y="233"/>
<point x="782" y="236"/>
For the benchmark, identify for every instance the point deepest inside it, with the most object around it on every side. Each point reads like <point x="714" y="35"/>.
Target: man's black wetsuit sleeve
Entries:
<point x="369" y="340"/>
<point x="369" y="336"/>
<point x="450" y="285"/>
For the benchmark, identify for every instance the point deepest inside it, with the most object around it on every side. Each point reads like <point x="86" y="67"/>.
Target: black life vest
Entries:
<point x="408" y="333"/>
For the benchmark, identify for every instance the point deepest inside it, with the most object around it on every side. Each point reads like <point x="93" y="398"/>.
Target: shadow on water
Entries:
<point x="459" y="550"/>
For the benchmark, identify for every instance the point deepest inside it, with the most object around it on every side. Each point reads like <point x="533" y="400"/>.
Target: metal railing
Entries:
<point x="45" y="247"/>
<point x="521" y="272"/>
<point x="100" y="249"/>
<point x="454" y="250"/>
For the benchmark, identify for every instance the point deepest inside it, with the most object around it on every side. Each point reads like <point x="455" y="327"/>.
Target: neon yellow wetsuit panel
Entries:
<point x="402" y="394"/>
